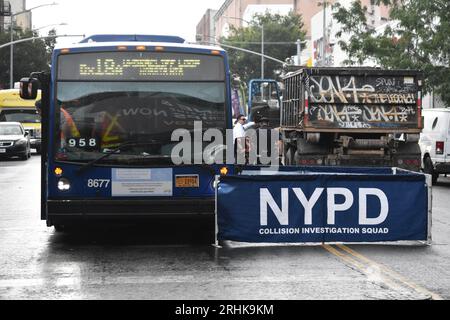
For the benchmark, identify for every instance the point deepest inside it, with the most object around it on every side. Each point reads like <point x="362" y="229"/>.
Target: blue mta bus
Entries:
<point x="109" y="107"/>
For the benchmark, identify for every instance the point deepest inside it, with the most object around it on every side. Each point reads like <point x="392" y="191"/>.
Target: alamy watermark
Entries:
<point x="260" y="146"/>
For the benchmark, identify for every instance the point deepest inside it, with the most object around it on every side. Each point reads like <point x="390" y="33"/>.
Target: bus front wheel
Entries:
<point x="61" y="227"/>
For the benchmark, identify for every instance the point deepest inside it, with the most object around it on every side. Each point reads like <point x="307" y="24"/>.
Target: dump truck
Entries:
<point x="352" y="117"/>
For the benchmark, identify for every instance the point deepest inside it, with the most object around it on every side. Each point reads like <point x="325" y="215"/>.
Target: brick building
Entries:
<point x="205" y="28"/>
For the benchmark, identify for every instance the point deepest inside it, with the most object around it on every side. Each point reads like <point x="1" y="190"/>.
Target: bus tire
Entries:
<point x="61" y="227"/>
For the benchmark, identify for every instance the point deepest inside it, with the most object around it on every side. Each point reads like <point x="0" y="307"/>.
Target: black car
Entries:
<point x="14" y="141"/>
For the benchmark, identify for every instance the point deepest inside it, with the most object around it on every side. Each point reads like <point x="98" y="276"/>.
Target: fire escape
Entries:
<point x="5" y="11"/>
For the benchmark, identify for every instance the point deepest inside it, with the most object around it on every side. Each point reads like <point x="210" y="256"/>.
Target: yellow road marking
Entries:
<point x="364" y="264"/>
<point x="393" y="274"/>
<point x="361" y="267"/>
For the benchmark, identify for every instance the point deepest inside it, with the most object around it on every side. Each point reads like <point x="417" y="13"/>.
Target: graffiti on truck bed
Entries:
<point x="365" y="90"/>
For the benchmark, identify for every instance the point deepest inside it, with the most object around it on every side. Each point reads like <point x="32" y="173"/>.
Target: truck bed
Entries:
<point x="352" y="100"/>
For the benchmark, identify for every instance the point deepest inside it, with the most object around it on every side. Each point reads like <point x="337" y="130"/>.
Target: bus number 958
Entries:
<point x="83" y="143"/>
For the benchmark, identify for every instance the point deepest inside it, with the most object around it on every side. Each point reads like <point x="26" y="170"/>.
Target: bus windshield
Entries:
<point x="20" y="115"/>
<point x="96" y="117"/>
<point x="107" y="99"/>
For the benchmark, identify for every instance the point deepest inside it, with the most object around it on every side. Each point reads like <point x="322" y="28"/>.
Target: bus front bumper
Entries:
<point x="69" y="210"/>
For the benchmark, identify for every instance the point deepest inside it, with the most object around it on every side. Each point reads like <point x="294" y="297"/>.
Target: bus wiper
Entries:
<point x="116" y="150"/>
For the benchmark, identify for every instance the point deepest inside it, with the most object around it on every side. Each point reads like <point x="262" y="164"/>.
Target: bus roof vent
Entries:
<point x="132" y="37"/>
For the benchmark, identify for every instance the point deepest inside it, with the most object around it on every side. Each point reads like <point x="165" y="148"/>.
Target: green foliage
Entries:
<point x="282" y="31"/>
<point x="28" y="56"/>
<point x="419" y="38"/>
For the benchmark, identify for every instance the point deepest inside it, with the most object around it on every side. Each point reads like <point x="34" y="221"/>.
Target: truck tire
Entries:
<point x="304" y="147"/>
<point x="428" y="169"/>
<point x="289" y="156"/>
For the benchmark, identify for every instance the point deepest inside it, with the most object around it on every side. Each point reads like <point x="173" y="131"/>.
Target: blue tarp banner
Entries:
<point x="315" y="208"/>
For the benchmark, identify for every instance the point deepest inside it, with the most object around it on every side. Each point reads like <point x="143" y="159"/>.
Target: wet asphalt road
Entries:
<point x="160" y="261"/>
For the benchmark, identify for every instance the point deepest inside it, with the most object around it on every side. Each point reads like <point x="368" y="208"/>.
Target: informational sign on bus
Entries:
<point x="141" y="66"/>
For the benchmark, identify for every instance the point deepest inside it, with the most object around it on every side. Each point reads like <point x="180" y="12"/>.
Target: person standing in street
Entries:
<point x="239" y="136"/>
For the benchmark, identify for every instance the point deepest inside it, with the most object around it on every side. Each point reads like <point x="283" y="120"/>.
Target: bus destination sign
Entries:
<point x="141" y="66"/>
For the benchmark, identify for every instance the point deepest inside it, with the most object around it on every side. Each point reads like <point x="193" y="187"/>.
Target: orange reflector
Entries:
<point x="65" y="51"/>
<point x="159" y="48"/>
<point x="122" y="48"/>
<point x="224" y="171"/>
<point x="141" y="48"/>
<point x="215" y="52"/>
<point x="58" y="171"/>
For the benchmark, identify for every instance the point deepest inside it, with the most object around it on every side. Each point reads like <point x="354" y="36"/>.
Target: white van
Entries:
<point x="435" y="142"/>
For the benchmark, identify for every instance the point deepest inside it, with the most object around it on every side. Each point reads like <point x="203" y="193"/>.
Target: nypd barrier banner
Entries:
<point x="323" y="208"/>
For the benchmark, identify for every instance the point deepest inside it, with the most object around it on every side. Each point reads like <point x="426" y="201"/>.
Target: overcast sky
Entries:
<point x="170" y="17"/>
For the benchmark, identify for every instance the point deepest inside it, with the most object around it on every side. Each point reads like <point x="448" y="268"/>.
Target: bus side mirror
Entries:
<point x="29" y="88"/>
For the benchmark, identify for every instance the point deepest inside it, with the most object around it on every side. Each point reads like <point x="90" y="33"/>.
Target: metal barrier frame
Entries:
<point x="428" y="242"/>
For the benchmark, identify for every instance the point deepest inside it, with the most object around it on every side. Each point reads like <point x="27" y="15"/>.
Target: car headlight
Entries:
<point x="63" y="184"/>
<point x="21" y="142"/>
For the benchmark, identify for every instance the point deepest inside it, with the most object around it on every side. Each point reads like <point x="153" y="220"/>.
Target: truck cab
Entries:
<point x="15" y="109"/>
<point x="264" y="101"/>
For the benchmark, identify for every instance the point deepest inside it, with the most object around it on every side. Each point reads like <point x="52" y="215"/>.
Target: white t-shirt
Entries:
<point x="239" y="130"/>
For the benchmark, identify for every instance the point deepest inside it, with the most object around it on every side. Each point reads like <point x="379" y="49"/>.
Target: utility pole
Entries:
<point x="325" y="40"/>
<point x="262" y="51"/>
<point x="299" y="52"/>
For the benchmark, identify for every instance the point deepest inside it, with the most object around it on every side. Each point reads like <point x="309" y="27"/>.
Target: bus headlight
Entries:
<point x="224" y="171"/>
<point x="63" y="184"/>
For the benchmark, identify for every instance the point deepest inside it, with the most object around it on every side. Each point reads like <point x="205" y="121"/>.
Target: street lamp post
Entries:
<point x="262" y="42"/>
<point x="238" y="49"/>
<point x="11" y="49"/>
<point x="51" y="25"/>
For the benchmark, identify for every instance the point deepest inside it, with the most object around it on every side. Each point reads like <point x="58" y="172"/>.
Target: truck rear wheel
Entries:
<point x="428" y="169"/>
<point x="289" y="156"/>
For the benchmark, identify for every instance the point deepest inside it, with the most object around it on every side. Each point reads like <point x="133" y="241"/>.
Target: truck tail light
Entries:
<point x="412" y="162"/>
<point x="308" y="162"/>
<point x="419" y="110"/>
<point x="439" y="147"/>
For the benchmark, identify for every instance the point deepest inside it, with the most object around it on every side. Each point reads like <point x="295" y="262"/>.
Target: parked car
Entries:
<point x="15" y="109"/>
<point x="14" y="141"/>
<point x="435" y="143"/>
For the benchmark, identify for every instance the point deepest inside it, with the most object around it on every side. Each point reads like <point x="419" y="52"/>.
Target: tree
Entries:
<point x="28" y="56"/>
<point x="417" y="38"/>
<point x="280" y="35"/>
<point x="51" y="42"/>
